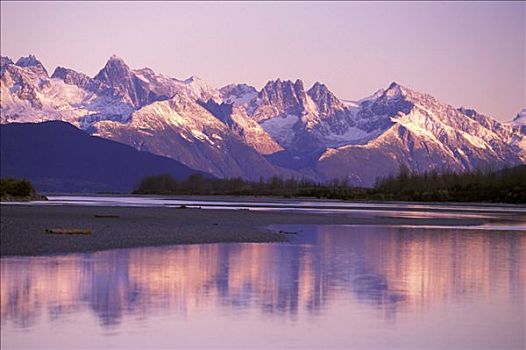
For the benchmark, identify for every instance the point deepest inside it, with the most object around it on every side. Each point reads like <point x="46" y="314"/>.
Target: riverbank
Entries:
<point x="23" y="227"/>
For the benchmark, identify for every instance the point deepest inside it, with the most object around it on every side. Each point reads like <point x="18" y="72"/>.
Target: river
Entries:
<point x="332" y="286"/>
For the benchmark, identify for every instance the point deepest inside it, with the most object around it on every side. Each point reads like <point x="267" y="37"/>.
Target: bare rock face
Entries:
<point x="31" y="62"/>
<point x="71" y="77"/>
<point x="279" y="97"/>
<point x="327" y="103"/>
<point x="119" y="76"/>
<point x="246" y="129"/>
<point x="4" y="62"/>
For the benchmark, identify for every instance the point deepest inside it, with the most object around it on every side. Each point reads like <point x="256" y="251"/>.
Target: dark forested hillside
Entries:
<point x="57" y="157"/>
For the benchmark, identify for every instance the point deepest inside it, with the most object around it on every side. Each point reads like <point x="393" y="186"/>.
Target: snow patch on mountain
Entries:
<point x="238" y="94"/>
<point x="350" y="136"/>
<point x="182" y="113"/>
<point x="252" y="133"/>
<point x="200" y="89"/>
<point x="281" y="128"/>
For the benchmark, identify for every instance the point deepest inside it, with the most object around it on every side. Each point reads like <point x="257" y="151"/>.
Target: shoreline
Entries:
<point x="281" y="199"/>
<point x="23" y="227"/>
<point x="250" y="202"/>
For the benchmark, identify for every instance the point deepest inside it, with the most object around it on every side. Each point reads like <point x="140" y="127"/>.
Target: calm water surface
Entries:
<point x="331" y="287"/>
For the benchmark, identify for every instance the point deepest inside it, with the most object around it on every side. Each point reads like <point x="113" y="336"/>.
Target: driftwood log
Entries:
<point x="68" y="231"/>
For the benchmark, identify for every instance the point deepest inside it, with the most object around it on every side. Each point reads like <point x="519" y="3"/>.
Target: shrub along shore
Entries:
<point x="18" y="190"/>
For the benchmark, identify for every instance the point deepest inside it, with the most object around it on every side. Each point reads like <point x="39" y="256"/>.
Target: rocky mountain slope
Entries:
<point x="182" y="129"/>
<point x="283" y="129"/>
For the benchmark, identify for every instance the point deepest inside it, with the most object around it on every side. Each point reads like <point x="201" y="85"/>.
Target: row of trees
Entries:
<point x="274" y="186"/>
<point x="507" y="185"/>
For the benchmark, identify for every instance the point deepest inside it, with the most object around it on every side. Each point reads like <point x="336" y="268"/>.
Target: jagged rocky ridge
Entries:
<point x="283" y="129"/>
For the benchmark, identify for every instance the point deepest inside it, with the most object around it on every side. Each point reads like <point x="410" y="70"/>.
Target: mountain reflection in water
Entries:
<point x="392" y="272"/>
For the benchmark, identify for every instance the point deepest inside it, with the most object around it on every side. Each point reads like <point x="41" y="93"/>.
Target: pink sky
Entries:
<point x="468" y="54"/>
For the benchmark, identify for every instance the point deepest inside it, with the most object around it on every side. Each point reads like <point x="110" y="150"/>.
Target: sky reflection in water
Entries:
<point x="333" y="286"/>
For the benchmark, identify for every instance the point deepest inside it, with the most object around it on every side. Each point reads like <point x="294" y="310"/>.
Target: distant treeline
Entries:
<point x="505" y="186"/>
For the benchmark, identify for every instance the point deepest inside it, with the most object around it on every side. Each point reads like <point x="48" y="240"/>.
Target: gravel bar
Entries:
<point x="23" y="227"/>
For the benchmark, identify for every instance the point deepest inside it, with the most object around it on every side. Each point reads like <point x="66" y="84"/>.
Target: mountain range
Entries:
<point x="283" y="129"/>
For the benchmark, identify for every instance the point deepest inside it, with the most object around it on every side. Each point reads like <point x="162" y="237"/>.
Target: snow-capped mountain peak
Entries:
<point x="520" y="119"/>
<point x="395" y="90"/>
<point x="134" y="90"/>
<point x="200" y="89"/>
<point x="279" y="97"/>
<point x="115" y="60"/>
<point x="114" y="69"/>
<point x="327" y="103"/>
<point x="393" y="100"/>
<point x="31" y="61"/>
<point x="28" y="61"/>
<point x="72" y="77"/>
<point x="193" y="79"/>
<point x="238" y="94"/>
<point x="372" y="97"/>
